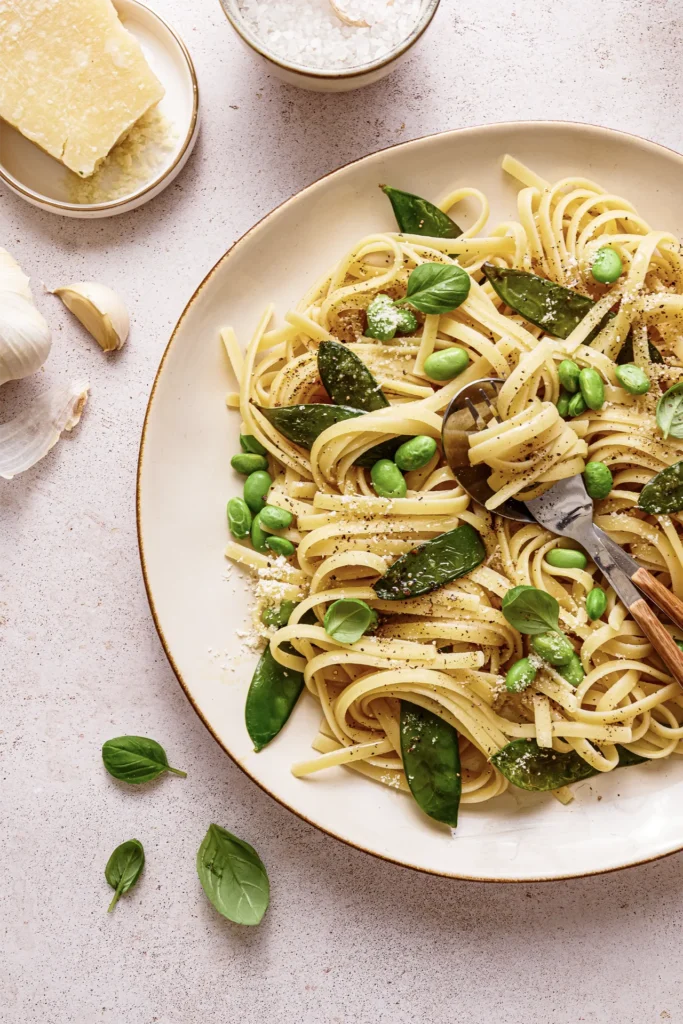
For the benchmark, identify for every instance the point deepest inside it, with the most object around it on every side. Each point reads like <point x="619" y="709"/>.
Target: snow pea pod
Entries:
<point x="626" y="354"/>
<point x="431" y="565"/>
<point x="273" y="692"/>
<point x="664" y="493"/>
<point x="417" y="216"/>
<point x="529" y="766"/>
<point x="431" y="760"/>
<point x="347" y="379"/>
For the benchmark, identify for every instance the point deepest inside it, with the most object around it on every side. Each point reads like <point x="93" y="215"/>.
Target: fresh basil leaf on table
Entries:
<point x="136" y="759"/>
<point x="233" y="876"/>
<point x="528" y="766"/>
<point x="273" y="692"/>
<point x="436" y="288"/>
<point x="417" y="216"/>
<point x="530" y="610"/>
<point x="433" y="564"/>
<point x="664" y="493"/>
<point x="348" y="619"/>
<point x="431" y="761"/>
<point x="669" y="413"/>
<point x="347" y="379"/>
<point x="123" y="868"/>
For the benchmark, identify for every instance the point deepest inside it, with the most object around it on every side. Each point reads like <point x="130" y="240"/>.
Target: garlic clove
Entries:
<point x="25" y="338"/>
<point x="100" y="310"/>
<point x="30" y="435"/>
<point x="12" y="277"/>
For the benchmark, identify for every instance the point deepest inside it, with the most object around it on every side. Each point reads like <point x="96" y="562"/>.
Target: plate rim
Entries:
<point x="312" y="186"/>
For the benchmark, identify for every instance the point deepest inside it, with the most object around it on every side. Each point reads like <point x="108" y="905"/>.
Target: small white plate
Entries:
<point x="43" y="181"/>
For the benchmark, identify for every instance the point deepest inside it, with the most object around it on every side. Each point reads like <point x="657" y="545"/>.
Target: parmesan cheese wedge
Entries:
<point x="72" y="78"/>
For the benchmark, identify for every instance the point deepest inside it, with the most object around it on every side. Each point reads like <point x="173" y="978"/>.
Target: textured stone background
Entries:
<point x="348" y="939"/>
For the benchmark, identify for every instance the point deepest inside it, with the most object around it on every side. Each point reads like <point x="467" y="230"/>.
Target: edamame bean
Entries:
<point x="606" y="266"/>
<point x="247" y="463"/>
<point x="388" y="480"/>
<point x="276" y="518"/>
<point x="279" y="616"/>
<point x="592" y="388"/>
<point x="239" y="518"/>
<point x="566" y="558"/>
<point x="258" y="536"/>
<point x="555" y="648"/>
<point x="632" y="379"/>
<point x="568" y="372"/>
<point x="563" y="404"/>
<point x="572" y="671"/>
<point x="447" y="364"/>
<point x="520" y="675"/>
<point x="250" y="444"/>
<point x="416" y="453"/>
<point x="598" y="479"/>
<point x="406" y="321"/>
<point x="576" y="405"/>
<point x="679" y="644"/>
<point x="281" y="546"/>
<point x="256" y="486"/>
<point x="596" y="603"/>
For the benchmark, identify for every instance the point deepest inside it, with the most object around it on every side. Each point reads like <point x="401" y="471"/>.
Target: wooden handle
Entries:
<point x="667" y="601"/>
<point x="660" y="639"/>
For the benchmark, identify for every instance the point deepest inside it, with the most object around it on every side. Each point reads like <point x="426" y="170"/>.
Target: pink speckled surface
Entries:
<point x="348" y="939"/>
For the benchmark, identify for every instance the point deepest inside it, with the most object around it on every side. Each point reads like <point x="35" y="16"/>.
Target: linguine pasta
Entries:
<point x="447" y="651"/>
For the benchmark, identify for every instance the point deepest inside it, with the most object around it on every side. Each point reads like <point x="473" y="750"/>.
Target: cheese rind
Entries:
<point x="72" y="78"/>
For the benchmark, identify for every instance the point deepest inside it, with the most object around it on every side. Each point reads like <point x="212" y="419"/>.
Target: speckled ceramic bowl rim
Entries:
<point x="132" y="197"/>
<point x="318" y="184"/>
<point x="331" y="74"/>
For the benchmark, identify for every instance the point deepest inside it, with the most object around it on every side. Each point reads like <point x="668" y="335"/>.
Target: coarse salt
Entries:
<point x="311" y="34"/>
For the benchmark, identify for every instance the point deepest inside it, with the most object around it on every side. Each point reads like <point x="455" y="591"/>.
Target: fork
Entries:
<point x="566" y="510"/>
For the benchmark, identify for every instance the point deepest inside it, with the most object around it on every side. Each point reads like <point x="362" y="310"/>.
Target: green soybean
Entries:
<point x="596" y="603"/>
<point x="520" y="675"/>
<point x="568" y="372"/>
<point x="256" y="486"/>
<point x="248" y="443"/>
<point x="416" y="453"/>
<point x="633" y="379"/>
<point x="247" y="464"/>
<point x="276" y="518"/>
<point x="572" y="671"/>
<point x="281" y="546"/>
<point x="239" y="518"/>
<point x="606" y="266"/>
<point x="566" y="558"/>
<point x="563" y="404"/>
<point x="592" y="388"/>
<point x="598" y="479"/>
<point x="388" y="480"/>
<point x="279" y="616"/>
<point x="576" y="405"/>
<point x="258" y="536"/>
<point x="555" y="648"/>
<point x="406" y="321"/>
<point x="447" y="364"/>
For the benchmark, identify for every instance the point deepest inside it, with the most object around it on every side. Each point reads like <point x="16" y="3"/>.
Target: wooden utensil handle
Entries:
<point x="667" y="601"/>
<point x="660" y="639"/>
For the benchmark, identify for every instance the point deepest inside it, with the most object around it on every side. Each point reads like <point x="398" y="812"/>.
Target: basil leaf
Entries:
<point x="528" y="766"/>
<point x="124" y="868"/>
<point x="347" y="619"/>
<point x="233" y="876"/>
<point x="437" y="288"/>
<point x="431" y="565"/>
<point x="669" y="413"/>
<point x="136" y="759"/>
<point x="347" y="379"/>
<point x="664" y="493"/>
<point x="417" y="216"/>
<point x="431" y="761"/>
<point x="273" y="692"/>
<point x="531" y="610"/>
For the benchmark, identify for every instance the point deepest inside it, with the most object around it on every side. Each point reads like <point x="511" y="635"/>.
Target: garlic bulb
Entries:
<point x="31" y="434"/>
<point x="100" y="310"/>
<point x="25" y="338"/>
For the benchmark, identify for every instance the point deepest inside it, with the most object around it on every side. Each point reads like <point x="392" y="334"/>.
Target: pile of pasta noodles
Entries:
<point x="447" y="651"/>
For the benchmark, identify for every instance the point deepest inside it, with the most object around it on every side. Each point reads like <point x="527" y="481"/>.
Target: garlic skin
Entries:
<point x="25" y="338"/>
<point x="100" y="310"/>
<point x="30" y="435"/>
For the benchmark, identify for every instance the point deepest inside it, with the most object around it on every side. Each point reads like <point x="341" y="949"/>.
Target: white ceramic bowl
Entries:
<point x="324" y="79"/>
<point x="42" y="181"/>
<point x="185" y="479"/>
